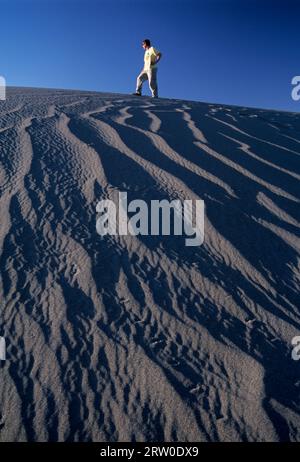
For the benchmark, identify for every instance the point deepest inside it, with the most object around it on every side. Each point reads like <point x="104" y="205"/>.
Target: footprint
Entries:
<point x="2" y="421"/>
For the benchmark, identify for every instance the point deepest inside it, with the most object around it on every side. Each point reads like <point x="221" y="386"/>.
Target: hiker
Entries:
<point x="151" y="58"/>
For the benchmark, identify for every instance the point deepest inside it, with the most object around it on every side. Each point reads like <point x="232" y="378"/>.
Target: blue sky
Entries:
<point x="242" y="52"/>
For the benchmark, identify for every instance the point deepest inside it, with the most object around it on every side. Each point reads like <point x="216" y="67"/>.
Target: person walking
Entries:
<point x="149" y="72"/>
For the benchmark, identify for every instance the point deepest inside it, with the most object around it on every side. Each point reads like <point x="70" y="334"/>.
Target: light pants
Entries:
<point x="151" y="76"/>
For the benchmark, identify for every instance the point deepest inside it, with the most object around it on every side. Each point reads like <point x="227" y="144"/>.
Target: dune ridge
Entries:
<point x="140" y="338"/>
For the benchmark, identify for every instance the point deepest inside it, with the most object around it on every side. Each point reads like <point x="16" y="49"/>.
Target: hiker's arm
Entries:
<point x="158" y="57"/>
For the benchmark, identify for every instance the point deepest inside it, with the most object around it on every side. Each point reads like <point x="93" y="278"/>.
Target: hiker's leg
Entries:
<point x="140" y="80"/>
<point x="152" y="76"/>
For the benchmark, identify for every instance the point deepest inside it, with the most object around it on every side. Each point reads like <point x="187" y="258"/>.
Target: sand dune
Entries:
<point x="140" y="338"/>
